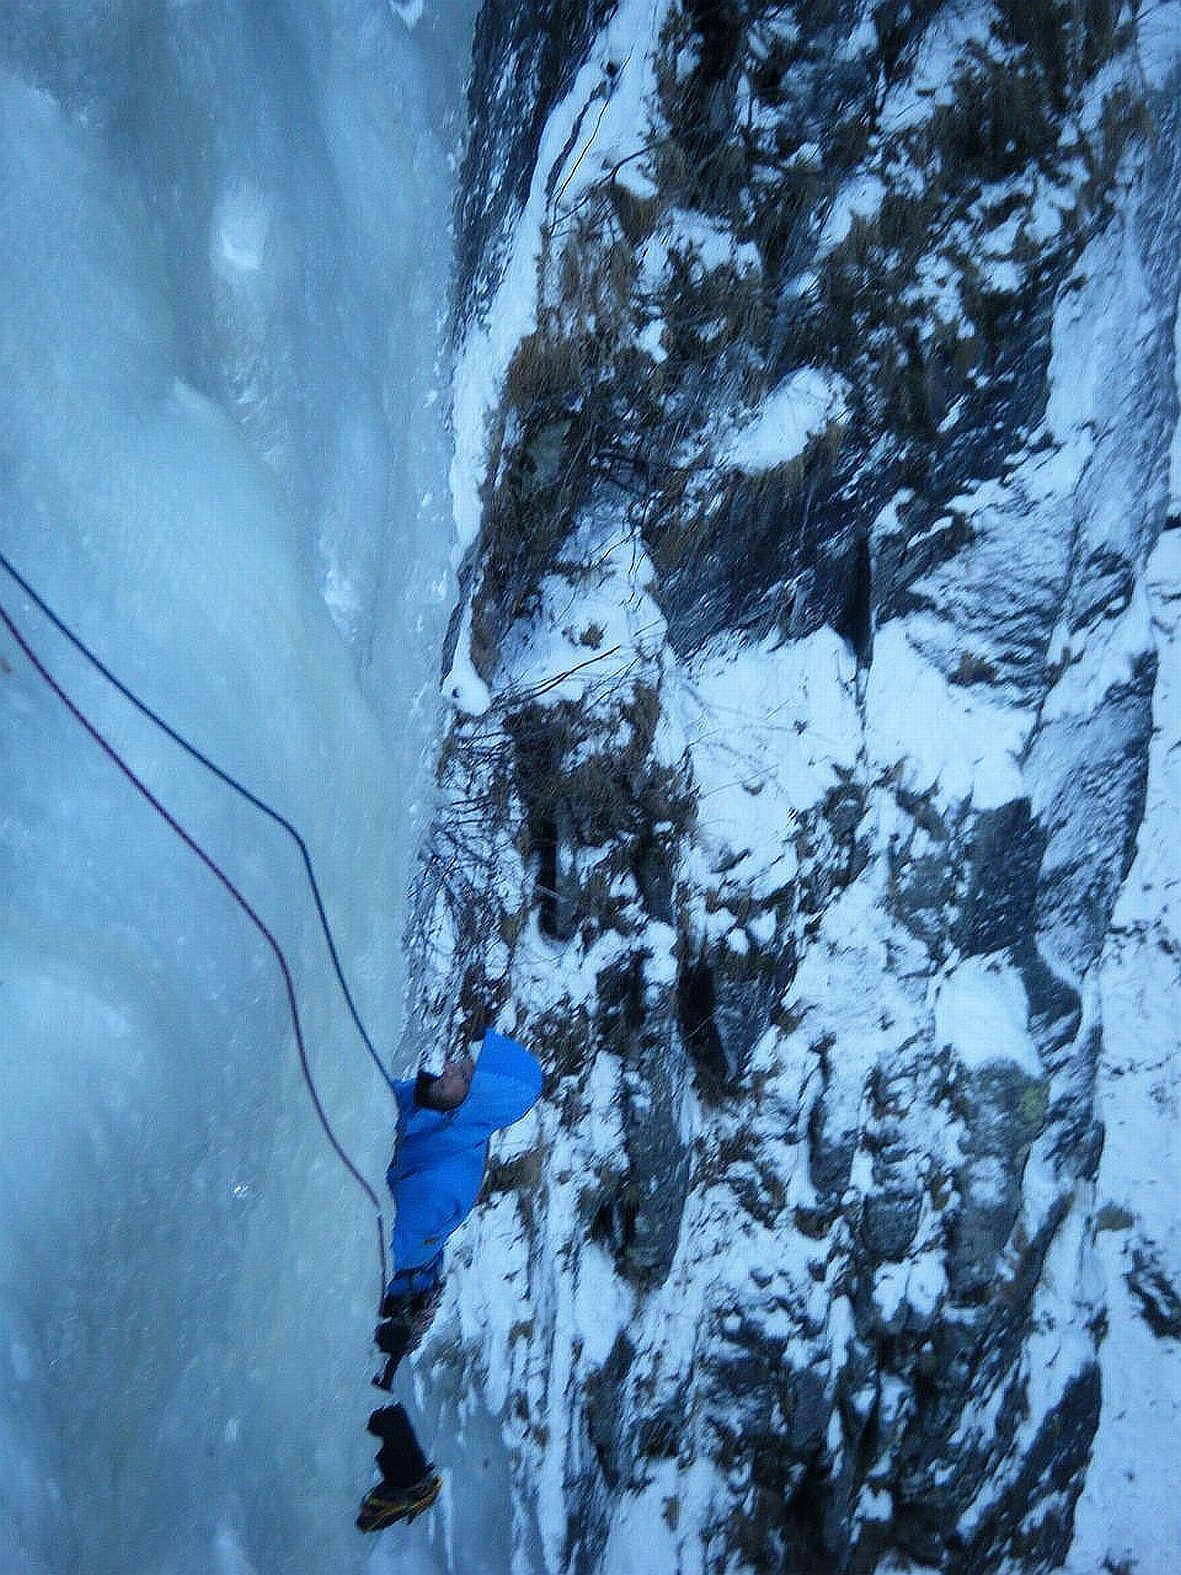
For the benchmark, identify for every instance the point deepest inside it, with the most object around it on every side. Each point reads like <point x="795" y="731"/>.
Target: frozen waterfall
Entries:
<point x="223" y="460"/>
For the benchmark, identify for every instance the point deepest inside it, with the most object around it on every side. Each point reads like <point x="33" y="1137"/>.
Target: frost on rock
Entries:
<point x="811" y="504"/>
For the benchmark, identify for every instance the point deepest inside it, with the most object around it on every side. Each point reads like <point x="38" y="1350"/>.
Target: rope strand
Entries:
<point x="223" y="776"/>
<point x="215" y="869"/>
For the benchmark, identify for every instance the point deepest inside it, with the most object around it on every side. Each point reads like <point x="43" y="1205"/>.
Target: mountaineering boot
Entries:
<point x="408" y="1481"/>
<point x="385" y="1504"/>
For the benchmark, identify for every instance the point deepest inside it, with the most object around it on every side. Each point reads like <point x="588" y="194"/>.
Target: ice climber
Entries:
<point x="445" y="1122"/>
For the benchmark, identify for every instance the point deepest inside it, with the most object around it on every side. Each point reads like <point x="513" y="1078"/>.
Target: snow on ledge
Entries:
<point x="613" y="132"/>
<point x="947" y="738"/>
<point x="793" y="414"/>
<point x="463" y="687"/>
<point x="982" y="1012"/>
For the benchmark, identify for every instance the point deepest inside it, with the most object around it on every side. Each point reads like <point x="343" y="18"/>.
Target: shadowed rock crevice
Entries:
<point x="695" y="1011"/>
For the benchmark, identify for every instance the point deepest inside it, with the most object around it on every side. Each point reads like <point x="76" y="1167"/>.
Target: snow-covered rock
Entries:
<point x="815" y="487"/>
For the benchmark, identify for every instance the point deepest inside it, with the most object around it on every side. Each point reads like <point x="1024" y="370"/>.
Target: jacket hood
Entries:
<point x="505" y="1085"/>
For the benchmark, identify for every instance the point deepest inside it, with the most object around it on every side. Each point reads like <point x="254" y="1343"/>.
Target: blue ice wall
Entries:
<point x="223" y="459"/>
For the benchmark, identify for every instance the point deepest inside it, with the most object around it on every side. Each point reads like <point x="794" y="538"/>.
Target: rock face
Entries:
<point x="827" y="428"/>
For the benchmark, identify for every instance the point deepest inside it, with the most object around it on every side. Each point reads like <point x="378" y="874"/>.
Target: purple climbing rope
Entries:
<point x="212" y="865"/>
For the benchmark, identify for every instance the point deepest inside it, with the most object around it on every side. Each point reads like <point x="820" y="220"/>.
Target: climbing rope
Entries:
<point x="222" y="776"/>
<point x="212" y="865"/>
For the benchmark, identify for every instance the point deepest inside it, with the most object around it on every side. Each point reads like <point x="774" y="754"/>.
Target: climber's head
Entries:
<point x="446" y="1090"/>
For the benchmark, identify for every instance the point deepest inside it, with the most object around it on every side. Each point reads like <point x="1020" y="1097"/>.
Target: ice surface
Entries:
<point x="222" y="375"/>
<point x="1159" y="40"/>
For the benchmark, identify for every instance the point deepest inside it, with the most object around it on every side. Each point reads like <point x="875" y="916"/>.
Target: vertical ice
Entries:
<point x="222" y="458"/>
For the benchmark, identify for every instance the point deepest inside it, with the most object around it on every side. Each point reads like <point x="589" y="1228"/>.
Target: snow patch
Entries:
<point x="767" y="729"/>
<point x="795" y="412"/>
<point x="1158" y="39"/>
<point x="982" y="1013"/>
<point x="956" y="739"/>
<point x="703" y="242"/>
<point x="860" y="198"/>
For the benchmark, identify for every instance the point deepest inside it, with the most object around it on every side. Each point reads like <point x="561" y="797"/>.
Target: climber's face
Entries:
<point x="451" y="1087"/>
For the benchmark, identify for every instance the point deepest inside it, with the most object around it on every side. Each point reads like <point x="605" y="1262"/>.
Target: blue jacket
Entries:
<point x="439" y="1159"/>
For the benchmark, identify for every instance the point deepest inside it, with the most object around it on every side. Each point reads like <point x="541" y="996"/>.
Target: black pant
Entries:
<point x="400" y="1460"/>
<point x="404" y="1322"/>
